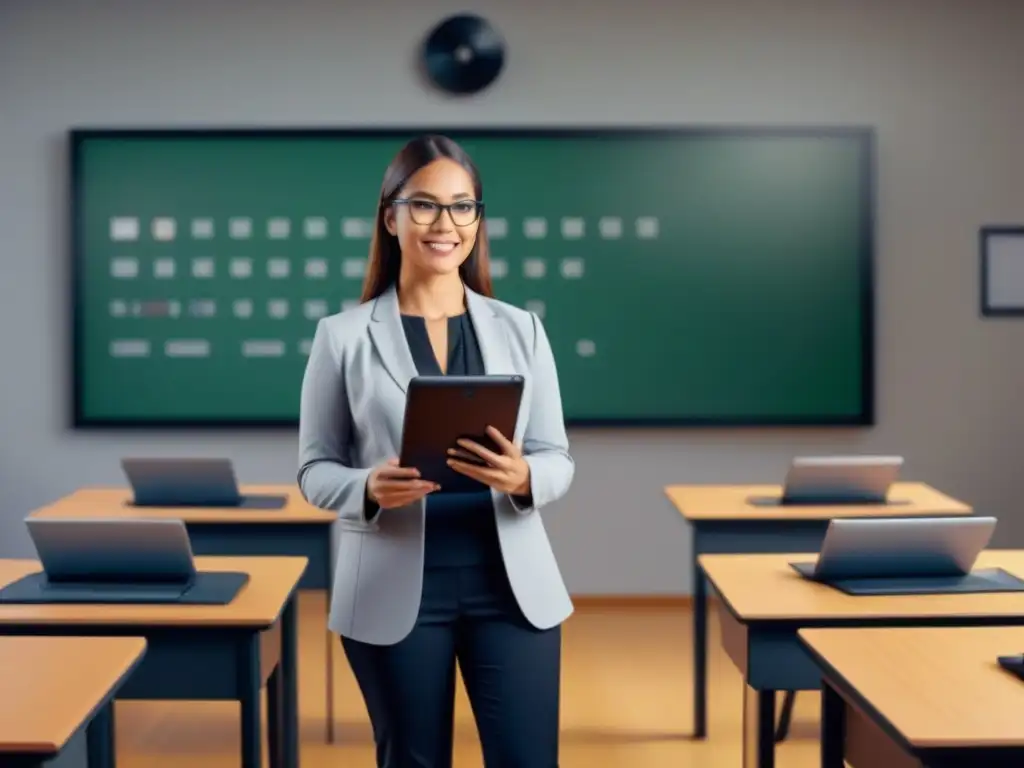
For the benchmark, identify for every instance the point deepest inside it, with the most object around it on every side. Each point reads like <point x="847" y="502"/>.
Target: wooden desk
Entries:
<point x="723" y="520"/>
<point x="53" y="686"/>
<point x="764" y="603"/>
<point x="932" y="697"/>
<point x="199" y="652"/>
<point x="298" y="529"/>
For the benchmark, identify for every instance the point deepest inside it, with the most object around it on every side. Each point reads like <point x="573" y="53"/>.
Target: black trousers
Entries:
<point x="510" y="671"/>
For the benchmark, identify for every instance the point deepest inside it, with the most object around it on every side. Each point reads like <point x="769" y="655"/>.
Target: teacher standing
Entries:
<point x="427" y="576"/>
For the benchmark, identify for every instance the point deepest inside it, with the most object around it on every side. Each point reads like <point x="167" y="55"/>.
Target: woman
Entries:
<point x="426" y="576"/>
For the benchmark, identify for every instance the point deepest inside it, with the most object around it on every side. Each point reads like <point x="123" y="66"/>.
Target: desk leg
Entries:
<point x="288" y="667"/>
<point x="330" y="644"/>
<point x="330" y="685"/>
<point x="786" y="716"/>
<point x="833" y="727"/>
<point x="700" y="647"/>
<point x="99" y="738"/>
<point x="275" y="718"/>
<point x="758" y="728"/>
<point x="249" y="688"/>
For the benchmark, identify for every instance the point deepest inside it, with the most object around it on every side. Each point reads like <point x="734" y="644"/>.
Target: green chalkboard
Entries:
<point x="704" y="276"/>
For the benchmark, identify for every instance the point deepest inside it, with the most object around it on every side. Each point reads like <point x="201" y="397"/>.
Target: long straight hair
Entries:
<point x="385" y="262"/>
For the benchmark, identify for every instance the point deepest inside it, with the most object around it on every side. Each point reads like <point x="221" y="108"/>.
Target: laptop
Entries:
<point x="147" y="559"/>
<point x="894" y="548"/>
<point x="831" y="480"/>
<point x="191" y="483"/>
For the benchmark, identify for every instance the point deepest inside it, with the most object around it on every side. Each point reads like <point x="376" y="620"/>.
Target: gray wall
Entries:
<point x="939" y="79"/>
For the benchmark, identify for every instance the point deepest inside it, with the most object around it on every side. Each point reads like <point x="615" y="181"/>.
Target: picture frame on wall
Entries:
<point x="1002" y="270"/>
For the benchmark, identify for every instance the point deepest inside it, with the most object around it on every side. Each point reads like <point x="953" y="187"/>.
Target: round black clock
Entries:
<point x="463" y="54"/>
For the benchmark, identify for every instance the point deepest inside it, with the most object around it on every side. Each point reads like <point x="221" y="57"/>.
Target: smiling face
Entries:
<point x="435" y="240"/>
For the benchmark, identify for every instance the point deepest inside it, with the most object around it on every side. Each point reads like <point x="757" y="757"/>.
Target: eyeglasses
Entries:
<point x="426" y="212"/>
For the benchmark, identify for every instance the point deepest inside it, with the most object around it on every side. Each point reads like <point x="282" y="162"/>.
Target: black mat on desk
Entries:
<point x="824" y="501"/>
<point x="249" y="501"/>
<point x="976" y="582"/>
<point x="208" y="588"/>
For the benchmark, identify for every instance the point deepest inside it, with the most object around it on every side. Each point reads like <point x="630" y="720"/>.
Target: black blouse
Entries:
<point x="464" y="356"/>
<point x="461" y="528"/>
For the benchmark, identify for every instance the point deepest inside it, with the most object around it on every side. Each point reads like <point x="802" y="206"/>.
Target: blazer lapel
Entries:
<point x="490" y="333"/>
<point x="388" y="337"/>
<point x="494" y="345"/>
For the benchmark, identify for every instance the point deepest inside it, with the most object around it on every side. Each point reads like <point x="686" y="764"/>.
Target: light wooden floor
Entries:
<point x="626" y="702"/>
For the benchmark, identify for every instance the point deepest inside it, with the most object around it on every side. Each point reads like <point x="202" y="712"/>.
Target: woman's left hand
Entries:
<point x="507" y="472"/>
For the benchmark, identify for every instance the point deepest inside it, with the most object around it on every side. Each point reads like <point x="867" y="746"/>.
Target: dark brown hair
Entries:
<point x="385" y="256"/>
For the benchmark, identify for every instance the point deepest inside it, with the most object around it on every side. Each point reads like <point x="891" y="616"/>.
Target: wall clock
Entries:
<point x="463" y="54"/>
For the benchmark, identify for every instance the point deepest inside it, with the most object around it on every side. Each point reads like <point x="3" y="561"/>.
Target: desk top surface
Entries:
<point x="51" y="686"/>
<point x="705" y="503"/>
<point x="938" y="687"/>
<point x="115" y="502"/>
<point x="766" y="588"/>
<point x="258" y="604"/>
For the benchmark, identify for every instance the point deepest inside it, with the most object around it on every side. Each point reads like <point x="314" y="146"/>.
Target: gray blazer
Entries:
<point x="352" y="408"/>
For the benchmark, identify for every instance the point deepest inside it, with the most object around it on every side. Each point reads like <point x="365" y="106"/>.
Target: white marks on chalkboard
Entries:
<point x="314" y="309"/>
<point x="203" y="267"/>
<point x="155" y="247"/>
<point x="497" y="229"/>
<point x="129" y="348"/>
<point x="647" y="227"/>
<point x="356" y="229"/>
<point x="170" y="308"/>
<point x="164" y="229"/>
<point x="146" y="309"/>
<point x="315" y="228"/>
<point x="202" y="229"/>
<point x="202" y="308"/>
<point x="241" y="268"/>
<point x="316" y="269"/>
<point x="124" y="267"/>
<point x="499" y="268"/>
<point x="279" y="228"/>
<point x="610" y="227"/>
<point x="278" y="269"/>
<point x="163" y="269"/>
<point x="240" y="228"/>
<point x="572" y="228"/>
<point x="124" y="228"/>
<point x="187" y="348"/>
<point x="535" y="227"/>
<point x="534" y="269"/>
<point x="586" y="348"/>
<point x="243" y="308"/>
<point x="203" y="348"/>
<point x="537" y="306"/>
<point x="277" y="308"/>
<point x="353" y="269"/>
<point x="263" y="348"/>
<point x="572" y="269"/>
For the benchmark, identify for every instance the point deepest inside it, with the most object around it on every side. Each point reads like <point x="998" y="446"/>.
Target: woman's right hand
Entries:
<point x="390" y="485"/>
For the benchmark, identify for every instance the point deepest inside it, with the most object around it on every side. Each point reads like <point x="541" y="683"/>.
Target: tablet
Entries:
<point x="439" y="410"/>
